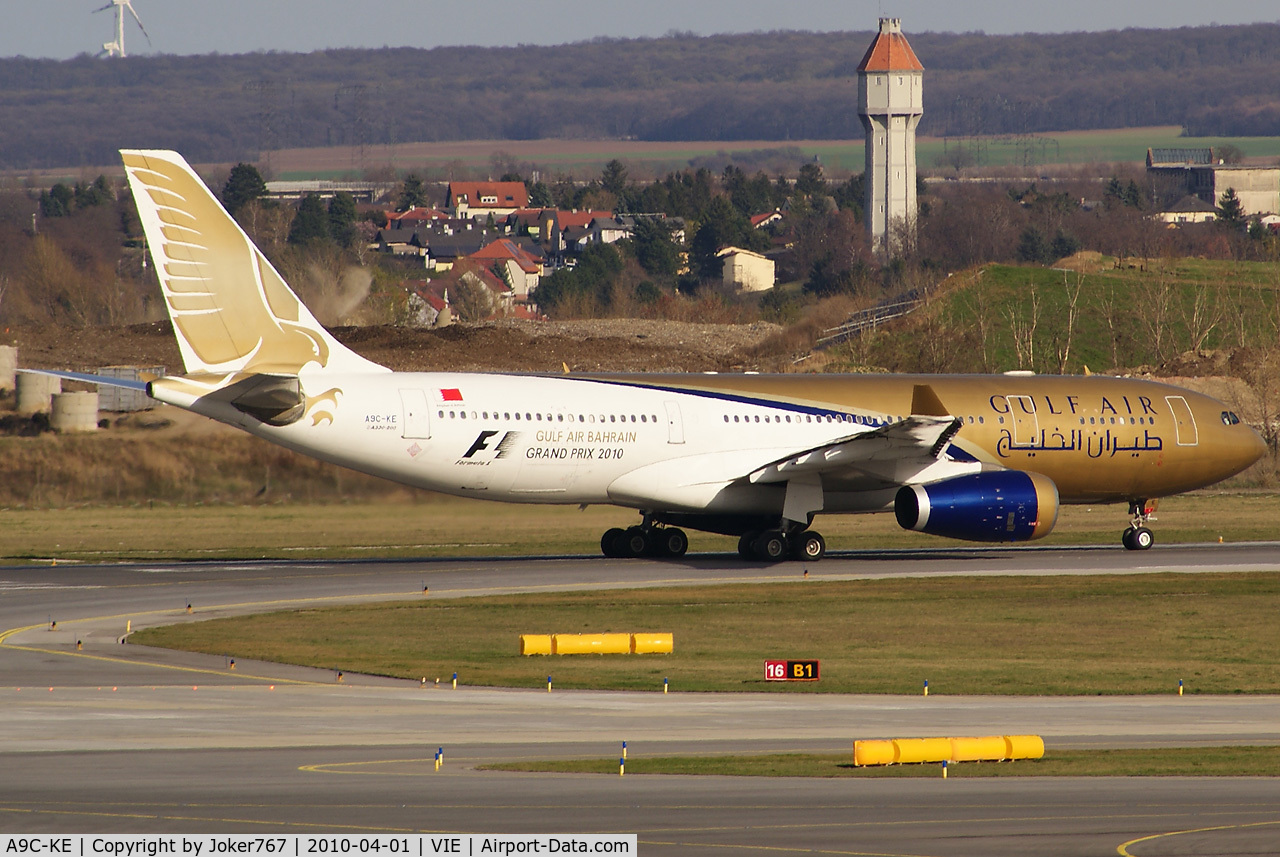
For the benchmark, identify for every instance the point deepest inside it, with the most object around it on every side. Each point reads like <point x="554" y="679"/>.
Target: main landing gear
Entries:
<point x="777" y="545"/>
<point x="1138" y="537"/>
<point x="667" y="542"/>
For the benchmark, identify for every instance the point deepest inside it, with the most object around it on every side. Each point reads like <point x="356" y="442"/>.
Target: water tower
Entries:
<point x="890" y="80"/>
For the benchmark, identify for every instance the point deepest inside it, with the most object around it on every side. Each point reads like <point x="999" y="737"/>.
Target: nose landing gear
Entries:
<point x="1137" y="537"/>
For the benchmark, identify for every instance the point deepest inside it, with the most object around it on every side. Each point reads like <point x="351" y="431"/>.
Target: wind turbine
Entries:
<point x="116" y="48"/>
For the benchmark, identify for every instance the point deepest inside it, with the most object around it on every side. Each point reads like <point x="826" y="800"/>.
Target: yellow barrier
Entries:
<point x="649" y="644"/>
<point x="591" y="644"/>
<point x="596" y="644"/>
<point x="1024" y="747"/>
<point x="872" y="753"/>
<point x="908" y="751"/>
<point x="535" y="644"/>
<point x="990" y="748"/>
<point x="915" y="751"/>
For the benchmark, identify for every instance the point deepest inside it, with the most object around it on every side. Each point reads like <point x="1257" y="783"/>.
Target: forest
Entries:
<point x="759" y="86"/>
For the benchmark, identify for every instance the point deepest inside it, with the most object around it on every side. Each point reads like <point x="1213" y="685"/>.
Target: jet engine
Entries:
<point x="992" y="506"/>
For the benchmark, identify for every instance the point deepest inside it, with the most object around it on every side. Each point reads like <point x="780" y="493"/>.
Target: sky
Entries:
<point x="60" y="29"/>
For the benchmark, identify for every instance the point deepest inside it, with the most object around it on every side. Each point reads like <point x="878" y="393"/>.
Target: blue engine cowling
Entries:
<point x="994" y="506"/>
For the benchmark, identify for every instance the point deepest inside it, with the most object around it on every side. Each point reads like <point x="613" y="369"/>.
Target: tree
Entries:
<point x="588" y="285"/>
<point x="810" y="181"/>
<point x="311" y="223"/>
<point x="342" y="218"/>
<point x="57" y="201"/>
<point x="412" y="193"/>
<point x="1230" y="210"/>
<point x="540" y="195"/>
<point x="244" y="185"/>
<point x="471" y="299"/>
<point x="614" y="178"/>
<point x="1229" y="154"/>
<point x="722" y="226"/>
<point x="1032" y="247"/>
<point x="852" y="195"/>
<point x="654" y="249"/>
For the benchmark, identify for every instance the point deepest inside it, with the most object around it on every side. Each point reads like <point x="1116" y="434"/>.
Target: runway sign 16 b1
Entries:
<point x="790" y="670"/>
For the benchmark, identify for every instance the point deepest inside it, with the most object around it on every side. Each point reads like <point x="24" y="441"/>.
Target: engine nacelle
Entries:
<point x="993" y="506"/>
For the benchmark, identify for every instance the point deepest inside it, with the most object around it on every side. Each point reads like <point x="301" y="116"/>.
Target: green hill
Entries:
<point x="1147" y="314"/>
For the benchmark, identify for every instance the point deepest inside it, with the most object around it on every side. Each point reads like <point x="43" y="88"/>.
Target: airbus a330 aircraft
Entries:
<point x="983" y="458"/>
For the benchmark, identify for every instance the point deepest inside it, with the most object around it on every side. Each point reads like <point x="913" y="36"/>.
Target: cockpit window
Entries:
<point x="1230" y="418"/>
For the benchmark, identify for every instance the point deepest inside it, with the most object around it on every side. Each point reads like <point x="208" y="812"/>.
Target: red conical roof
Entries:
<point x="890" y="51"/>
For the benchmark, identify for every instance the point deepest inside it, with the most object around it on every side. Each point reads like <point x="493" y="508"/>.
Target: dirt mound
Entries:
<point x="603" y="345"/>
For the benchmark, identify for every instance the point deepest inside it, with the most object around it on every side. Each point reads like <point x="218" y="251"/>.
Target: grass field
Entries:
<point x="1166" y="762"/>
<point x="1155" y="310"/>
<point x="586" y="158"/>
<point x="438" y="526"/>
<point x="1125" y="634"/>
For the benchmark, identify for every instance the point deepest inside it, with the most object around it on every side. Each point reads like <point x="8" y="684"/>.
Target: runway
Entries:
<point x="120" y="738"/>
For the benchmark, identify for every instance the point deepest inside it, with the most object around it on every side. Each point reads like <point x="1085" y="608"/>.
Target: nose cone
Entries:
<point x="1255" y="448"/>
<point x="1243" y="447"/>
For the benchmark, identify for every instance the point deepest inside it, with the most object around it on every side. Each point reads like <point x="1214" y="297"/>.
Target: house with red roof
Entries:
<point x="481" y="199"/>
<point x="523" y="268"/>
<point x="415" y="217"/>
<point x="759" y="221"/>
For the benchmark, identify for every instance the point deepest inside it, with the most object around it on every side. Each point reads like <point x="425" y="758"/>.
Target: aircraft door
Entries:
<point x="675" y="425"/>
<point x="417" y="415"/>
<point x="1183" y="420"/>
<point x="1026" y="427"/>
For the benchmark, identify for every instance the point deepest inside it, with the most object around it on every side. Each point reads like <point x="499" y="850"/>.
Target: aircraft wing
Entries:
<point x="918" y="438"/>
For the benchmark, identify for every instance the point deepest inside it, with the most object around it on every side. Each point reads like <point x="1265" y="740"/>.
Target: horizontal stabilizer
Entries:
<point x="127" y="383"/>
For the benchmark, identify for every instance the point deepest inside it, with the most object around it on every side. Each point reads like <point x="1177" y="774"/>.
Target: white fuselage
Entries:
<point x="546" y="439"/>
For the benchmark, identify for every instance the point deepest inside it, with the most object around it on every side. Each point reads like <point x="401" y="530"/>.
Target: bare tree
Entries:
<point x="1153" y="308"/>
<point x="1022" y="327"/>
<point x="1069" y="323"/>
<point x="1202" y="316"/>
<point x="471" y="300"/>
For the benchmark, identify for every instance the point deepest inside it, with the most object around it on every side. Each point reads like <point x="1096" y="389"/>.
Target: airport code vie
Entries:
<point x="298" y="845"/>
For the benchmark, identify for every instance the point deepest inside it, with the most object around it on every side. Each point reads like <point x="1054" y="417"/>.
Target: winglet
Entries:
<point x="231" y="310"/>
<point x="925" y="402"/>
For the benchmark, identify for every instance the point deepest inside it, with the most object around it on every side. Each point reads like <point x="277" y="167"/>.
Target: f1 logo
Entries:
<point x="482" y="443"/>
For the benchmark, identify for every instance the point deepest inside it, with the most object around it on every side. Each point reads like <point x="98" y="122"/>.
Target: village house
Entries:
<point x="479" y="200"/>
<point x="745" y="270"/>
<point x="522" y="266"/>
<point x="1189" y="209"/>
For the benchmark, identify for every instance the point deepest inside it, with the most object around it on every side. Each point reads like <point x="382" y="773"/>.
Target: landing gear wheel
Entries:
<point x="1138" y="539"/>
<point x="670" y="542"/>
<point x="771" y="546"/>
<point x="745" y="543"/>
<point x="1142" y="539"/>
<point x="611" y="542"/>
<point x="808" y="546"/>
<point x="1126" y="539"/>
<point x="635" y="542"/>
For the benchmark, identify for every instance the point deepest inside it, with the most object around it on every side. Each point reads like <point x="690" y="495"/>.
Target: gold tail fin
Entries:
<point x="231" y="310"/>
